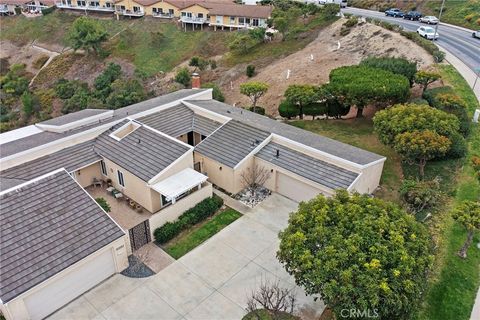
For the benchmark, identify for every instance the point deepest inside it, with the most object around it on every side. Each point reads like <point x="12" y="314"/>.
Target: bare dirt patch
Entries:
<point x="313" y="64"/>
<point x="21" y="54"/>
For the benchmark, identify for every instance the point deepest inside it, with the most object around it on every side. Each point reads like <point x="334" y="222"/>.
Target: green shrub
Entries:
<point x="30" y="103"/>
<point x="458" y="148"/>
<point x="428" y="45"/>
<point x="430" y="94"/>
<point x="183" y="76"/>
<point x="46" y="11"/>
<point x="315" y="109"/>
<point x="65" y="89"/>
<point x="419" y="101"/>
<point x="258" y="110"/>
<point x="104" y="204"/>
<point x="103" y="83"/>
<point x="344" y="31"/>
<point x="420" y="196"/>
<point x="395" y="65"/>
<point x="40" y="61"/>
<point x="192" y="216"/>
<point x="288" y="110"/>
<point x="250" y="70"/>
<point x="351" y="22"/>
<point x="213" y="64"/>
<point x="217" y="94"/>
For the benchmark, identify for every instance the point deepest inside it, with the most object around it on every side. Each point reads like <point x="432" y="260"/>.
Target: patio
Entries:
<point x="120" y="210"/>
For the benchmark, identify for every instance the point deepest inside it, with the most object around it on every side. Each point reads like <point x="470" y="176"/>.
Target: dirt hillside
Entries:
<point x="314" y="63"/>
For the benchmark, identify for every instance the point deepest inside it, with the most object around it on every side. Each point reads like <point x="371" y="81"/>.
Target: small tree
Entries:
<point x="103" y="203"/>
<point x="287" y="109"/>
<point x="254" y="177"/>
<point x="125" y="92"/>
<point x="468" y="214"/>
<point x="183" y="76"/>
<point x="272" y="298"/>
<point x="250" y="72"/>
<point x="424" y="78"/>
<point x="30" y="103"/>
<point x="421" y="195"/>
<point x="253" y="90"/>
<point x="87" y="34"/>
<point x="282" y="25"/>
<point x="421" y="146"/>
<point x="358" y="252"/>
<point x="301" y="95"/>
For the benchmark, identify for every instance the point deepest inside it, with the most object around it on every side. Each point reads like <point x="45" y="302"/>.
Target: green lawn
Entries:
<point x="196" y="235"/>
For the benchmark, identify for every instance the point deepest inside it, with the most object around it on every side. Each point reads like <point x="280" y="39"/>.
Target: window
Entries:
<point x="108" y="4"/>
<point x="247" y="20"/>
<point x="184" y="14"/>
<point x="219" y="20"/>
<point x="255" y="22"/>
<point x="120" y="178"/>
<point x="241" y="20"/>
<point x="103" y="166"/>
<point x="189" y="14"/>
<point x="200" y="15"/>
<point x="170" y="11"/>
<point x="232" y="20"/>
<point x="136" y="9"/>
<point x="81" y="3"/>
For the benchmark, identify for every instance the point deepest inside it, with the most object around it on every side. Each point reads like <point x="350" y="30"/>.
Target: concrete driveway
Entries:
<point x="211" y="282"/>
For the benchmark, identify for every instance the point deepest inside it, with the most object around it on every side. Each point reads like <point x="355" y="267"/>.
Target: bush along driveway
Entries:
<point x="213" y="281"/>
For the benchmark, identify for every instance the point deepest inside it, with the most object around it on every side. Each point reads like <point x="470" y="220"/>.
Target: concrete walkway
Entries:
<point x="211" y="282"/>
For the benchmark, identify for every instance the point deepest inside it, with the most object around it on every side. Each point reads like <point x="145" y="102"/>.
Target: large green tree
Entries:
<point x="254" y="90"/>
<point x="398" y="119"/>
<point x="396" y="65"/>
<point x="468" y="214"/>
<point x="301" y="95"/>
<point x="361" y="86"/>
<point x="358" y="252"/>
<point x="87" y="34"/>
<point x="420" y="146"/>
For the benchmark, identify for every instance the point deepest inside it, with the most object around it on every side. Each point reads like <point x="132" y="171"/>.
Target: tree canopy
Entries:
<point x="424" y="78"/>
<point x="361" y="85"/>
<point x="357" y="252"/>
<point x="301" y="95"/>
<point x="398" y="119"/>
<point x="87" y="34"/>
<point x="395" y="65"/>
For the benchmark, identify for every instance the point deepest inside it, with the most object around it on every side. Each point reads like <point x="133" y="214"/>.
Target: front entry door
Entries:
<point x="140" y="235"/>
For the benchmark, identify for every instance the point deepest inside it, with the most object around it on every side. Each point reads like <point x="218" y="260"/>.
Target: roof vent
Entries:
<point x="277" y="153"/>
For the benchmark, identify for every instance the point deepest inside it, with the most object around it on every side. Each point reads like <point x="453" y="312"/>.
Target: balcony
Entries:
<point x="194" y="20"/>
<point x="86" y="7"/>
<point x="130" y="13"/>
<point x="163" y="15"/>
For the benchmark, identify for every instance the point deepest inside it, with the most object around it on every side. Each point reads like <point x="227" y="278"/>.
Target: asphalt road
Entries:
<point x="457" y="41"/>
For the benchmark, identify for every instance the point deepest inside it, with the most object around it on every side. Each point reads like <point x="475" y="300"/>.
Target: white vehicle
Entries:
<point x="476" y="34"/>
<point x="341" y="3"/>
<point x="427" y="33"/>
<point x="429" y="20"/>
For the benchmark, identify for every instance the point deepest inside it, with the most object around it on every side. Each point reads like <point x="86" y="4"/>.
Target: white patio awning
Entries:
<point x="179" y="183"/>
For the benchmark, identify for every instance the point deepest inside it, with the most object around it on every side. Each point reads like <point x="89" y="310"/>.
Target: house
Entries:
<point x="8" y="6"/>
<point x="56" y="243"/>
<point x="90" y="5"/>
<point x="161" y="156"/>
<point x="239" y="16"/>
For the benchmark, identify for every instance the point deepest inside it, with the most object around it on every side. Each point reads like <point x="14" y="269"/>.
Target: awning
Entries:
<point x="179" y="183"/>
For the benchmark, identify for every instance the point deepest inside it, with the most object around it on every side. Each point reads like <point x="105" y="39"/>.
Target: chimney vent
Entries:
<point x="195" y="81"/>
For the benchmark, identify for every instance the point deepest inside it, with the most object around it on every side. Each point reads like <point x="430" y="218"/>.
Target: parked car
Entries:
<point x="427" y="33"/>
<point x="412" y="15"/>
<point x="429" y="19"/>
<point x="476" y="34"/>
<point x="394" y="12"/>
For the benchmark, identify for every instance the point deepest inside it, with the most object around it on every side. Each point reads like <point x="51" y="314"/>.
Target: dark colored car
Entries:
<point x="394" y="12"/>
<point x="412" y="15"/>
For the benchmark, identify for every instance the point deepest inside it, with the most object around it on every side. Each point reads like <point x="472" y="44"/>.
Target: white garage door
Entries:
<point x="56" y="294"/>
<point x="295" y="189"/>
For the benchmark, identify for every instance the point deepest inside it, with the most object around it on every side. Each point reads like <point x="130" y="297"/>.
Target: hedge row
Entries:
<point x="425" y="44"/>
<point x="192" y="216"/>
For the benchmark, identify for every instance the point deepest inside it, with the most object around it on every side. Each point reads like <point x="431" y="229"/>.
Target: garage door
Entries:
<point x="295" y="189"/>
<point x="56" y="294"/>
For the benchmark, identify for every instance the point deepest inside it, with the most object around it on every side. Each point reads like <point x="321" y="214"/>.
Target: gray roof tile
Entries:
<point x="319" y="171"/>
<point x="231" y="143"/>
<point x="144" y="152"/>
<point x="72" y="117"/>
<point x="70" y="158"/>
<point x="45" y="227"/>
<point x="333" y="147"/>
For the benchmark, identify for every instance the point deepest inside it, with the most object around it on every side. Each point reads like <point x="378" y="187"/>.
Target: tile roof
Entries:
<point x="231" y="143"/>
<point x="330" y="146"/>
<point x="321" y="172"/>
<point x="239" y="10"/>
<point x="35" y="140"/>
<point x="179" y="120"/>
<point x="75" y="116"/>
<point x="45" y="227"/>
<point x="144" y="152"/>
<point x="70" y="158"/>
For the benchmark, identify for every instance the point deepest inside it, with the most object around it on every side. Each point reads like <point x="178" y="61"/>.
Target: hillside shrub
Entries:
<point x="192" y="216"/>
<point x="420" y="196"/>
<point x="395" y="65"/>
<point x="40" y="61"/>
<point x="288" y="110"/>
<point x="29" y="103"/>
<point x="250" y="70"/>
<point x="458" y="148"/>
<point x="419" y="101"/>
<point x="315" y="109"/>
<point x="259" y="110"/>
<point x="428" y="45"/>
<point x="351" y="22"/>
<point x="217" y="94"/>
<point x="183" y="76"/>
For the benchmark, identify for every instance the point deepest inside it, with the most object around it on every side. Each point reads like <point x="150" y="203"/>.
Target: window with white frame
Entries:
<point x="232" y="20"/>
<point x="255" y="22"/>
<point x="103" y="166"/>
<point x="121" y="181"/>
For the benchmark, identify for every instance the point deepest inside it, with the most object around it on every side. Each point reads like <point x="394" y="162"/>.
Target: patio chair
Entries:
<point x="97" y="183"/>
